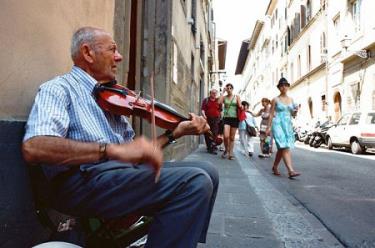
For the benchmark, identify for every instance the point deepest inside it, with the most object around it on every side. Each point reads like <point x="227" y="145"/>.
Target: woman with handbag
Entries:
<point x="247" y="130"/>
<point x="230" y="119"/>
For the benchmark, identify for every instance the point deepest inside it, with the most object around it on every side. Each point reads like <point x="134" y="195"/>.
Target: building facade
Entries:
<point x="324" y="48"/>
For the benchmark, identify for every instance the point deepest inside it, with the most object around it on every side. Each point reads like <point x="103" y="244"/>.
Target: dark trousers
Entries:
<point x="214" y="127"/>
<point x="181" y="202"/>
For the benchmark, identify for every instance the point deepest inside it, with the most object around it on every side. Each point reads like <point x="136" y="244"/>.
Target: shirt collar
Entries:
<point x="86" y="80"/>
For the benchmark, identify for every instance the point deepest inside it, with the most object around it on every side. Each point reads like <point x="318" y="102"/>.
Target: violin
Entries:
<point x="120" y="100"/>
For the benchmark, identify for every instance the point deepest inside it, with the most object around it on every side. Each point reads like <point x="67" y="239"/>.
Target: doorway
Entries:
<point x="337" y="105"/>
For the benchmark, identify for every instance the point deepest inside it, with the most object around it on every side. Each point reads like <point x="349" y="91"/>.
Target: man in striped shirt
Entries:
<point x="95" y="165"/>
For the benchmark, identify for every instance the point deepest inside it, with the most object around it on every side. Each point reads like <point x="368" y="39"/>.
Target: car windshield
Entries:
<point x="344" y="120"/>
<point x="370" y="118"/>
<point x="355" y="119"/>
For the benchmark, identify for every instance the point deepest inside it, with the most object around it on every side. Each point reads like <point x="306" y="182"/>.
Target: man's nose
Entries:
<point x="118" y="56"/>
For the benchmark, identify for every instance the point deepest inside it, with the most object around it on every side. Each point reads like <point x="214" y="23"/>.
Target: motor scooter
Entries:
<point x="320" y="134"/>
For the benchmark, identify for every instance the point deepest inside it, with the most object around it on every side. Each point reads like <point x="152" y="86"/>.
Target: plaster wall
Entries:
<point x="35" y="43"/>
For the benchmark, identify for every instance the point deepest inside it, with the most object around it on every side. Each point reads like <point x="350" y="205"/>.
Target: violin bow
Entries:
<point x="153" y="123"/>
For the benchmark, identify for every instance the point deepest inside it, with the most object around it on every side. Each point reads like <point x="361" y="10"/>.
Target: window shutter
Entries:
<point x="303" y="16"/>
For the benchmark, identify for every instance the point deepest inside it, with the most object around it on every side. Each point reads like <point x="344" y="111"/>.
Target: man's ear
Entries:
<point x="87" y="53"/>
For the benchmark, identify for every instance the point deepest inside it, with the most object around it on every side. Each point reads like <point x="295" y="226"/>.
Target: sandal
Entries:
<point x="294" y="174"/>
<point x="224" y="155"/>
<point x="275" y="171"/>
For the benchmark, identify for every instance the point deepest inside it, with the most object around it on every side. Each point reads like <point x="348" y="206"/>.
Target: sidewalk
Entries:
<point x="251" y="212"/>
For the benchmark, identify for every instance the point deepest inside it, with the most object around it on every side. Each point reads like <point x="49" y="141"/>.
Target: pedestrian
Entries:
<point x="94" y="165"/>
<point x="282" y="110"/>
<point x="246" y="140"/>
<point x="211" y="111"/>
<point x="264" y="113"/>
<point x="231" y="103"/>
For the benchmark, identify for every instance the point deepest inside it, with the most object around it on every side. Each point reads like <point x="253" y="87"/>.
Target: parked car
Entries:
<point x="355" y="131"/>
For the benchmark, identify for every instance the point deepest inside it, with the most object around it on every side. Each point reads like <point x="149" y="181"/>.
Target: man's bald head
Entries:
<point x="84" y="35"/>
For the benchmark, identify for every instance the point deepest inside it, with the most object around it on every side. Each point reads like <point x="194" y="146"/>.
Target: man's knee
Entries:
<point x="210" y="170"/>
<point x="200" y="185"/>
<point x="203" y="185"/>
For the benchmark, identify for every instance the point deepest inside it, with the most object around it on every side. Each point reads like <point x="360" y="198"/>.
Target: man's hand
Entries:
<point x="195" y="126"/>
<point x="141" y="150"/>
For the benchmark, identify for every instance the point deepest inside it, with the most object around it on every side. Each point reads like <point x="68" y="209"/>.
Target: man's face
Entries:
<point x="213" y="93"/>
<point x="106" y="57"/>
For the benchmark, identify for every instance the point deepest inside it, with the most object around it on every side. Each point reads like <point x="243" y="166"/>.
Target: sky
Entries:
<point x="235" y="20"/>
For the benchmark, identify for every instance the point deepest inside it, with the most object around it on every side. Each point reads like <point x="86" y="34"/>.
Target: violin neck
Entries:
<point x="170" y="110"/>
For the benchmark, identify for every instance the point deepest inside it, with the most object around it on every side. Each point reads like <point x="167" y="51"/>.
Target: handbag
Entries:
<point x="251" y="130"/>
<point x="241" y="115"/>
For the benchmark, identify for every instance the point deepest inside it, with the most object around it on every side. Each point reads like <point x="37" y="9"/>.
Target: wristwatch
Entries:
<point x="171" y="139"/>
<point x="103" y="152"/>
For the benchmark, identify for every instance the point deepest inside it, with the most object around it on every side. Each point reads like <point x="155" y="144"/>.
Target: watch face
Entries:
<point x="170" y="137"/>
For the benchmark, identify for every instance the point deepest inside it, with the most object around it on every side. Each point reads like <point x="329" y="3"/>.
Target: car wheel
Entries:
<point x="356" y="147"/>
<point x="329" y="143"/>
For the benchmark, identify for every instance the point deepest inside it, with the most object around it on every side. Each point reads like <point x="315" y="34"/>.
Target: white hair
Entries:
<point x="83" y="35"/>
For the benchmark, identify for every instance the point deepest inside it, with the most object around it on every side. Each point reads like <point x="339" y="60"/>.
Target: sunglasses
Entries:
<point x="229" y="88"/>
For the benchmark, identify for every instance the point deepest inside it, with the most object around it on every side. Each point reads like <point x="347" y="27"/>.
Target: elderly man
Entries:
<point x="211" y="110"/>
<point x="96" y="167"/>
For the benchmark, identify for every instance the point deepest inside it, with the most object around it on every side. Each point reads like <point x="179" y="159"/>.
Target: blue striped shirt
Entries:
<point x="65" y="107"/>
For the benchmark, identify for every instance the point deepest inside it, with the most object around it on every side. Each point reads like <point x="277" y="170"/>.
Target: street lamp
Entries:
<point x="345" y="43"/>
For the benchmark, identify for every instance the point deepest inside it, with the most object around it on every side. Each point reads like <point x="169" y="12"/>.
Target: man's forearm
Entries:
<point x="61" y="151"/>
<point x="163" y="140"/>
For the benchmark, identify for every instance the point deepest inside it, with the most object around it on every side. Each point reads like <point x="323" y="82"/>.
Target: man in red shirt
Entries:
<point x="211" y="111"/>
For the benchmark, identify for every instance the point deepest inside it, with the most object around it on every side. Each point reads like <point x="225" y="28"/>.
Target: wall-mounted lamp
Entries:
<point x="345" y="43"/>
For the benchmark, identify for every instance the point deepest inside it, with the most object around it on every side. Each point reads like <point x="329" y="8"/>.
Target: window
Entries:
<point x="324" y="102"/>
<point x="299" y="66"/>
<point x="344" y="120"/>
<point x="336" y="24"/>
<point x="309" y="58"/>
<point x="202" y="51"/>
<point x="277" y="41"/>
<point x="192" y="68"/>
<point x="308" y="10"/>
<point x="370" y="118"/>
<point x="323" y="4"/>
<point x="303" y="16"/>
<point x="323" y="49"/>
<point x="193" y="16"/>
<point x="323" y="43"/>
<point x="183" y="3"/>
<point x="286" y="13"/>
<point x="355" y="119"/>
<point x="291" y="72"/>
<point x="355" y="11"/>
